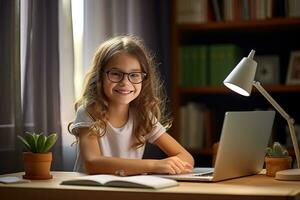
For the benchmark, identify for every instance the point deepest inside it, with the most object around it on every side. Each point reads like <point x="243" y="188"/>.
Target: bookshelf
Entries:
<point x="277" y="35"/>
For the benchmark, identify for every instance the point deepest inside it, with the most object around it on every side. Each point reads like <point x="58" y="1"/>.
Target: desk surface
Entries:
<point x="251" y="187"/>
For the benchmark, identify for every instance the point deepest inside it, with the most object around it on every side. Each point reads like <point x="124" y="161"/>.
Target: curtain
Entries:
<point x="66" y="74"/>
<point x="41" y="107"/>
<point x="10" y="101"/>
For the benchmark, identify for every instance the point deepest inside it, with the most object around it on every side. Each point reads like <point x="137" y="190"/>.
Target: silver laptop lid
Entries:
<point x="244" y="137"/>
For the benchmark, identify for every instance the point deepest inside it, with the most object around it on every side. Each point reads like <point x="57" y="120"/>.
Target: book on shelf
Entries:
<point x="199" y="66"/>
<point x="192" y="11"/>
<point x="203" y="11"/>
<point x="191" y="126"/>
<point x="217" y="10"/>
<point x="193" y="65"/>
<point x="138" y="181"/>
<point x="293" y="8"/>
<point x="202" y="65"/>
<point x="222" y="59"/>
<point x="195" y="126"/>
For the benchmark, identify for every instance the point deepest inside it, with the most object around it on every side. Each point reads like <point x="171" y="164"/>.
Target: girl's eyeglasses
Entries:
<point x="116" y="76"/>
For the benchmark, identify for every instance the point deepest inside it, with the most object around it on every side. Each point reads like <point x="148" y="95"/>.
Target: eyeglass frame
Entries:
<point x="144" y="76"/>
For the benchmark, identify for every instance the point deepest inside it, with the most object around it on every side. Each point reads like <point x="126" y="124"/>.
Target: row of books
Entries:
<point x="203" y="65"/>
<point x="196" y="126"/>
<point x="202" y="11"/>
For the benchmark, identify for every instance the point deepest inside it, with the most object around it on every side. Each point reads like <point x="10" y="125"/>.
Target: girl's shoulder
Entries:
<point x="80" y="109"/>
<point x="82" y="120"/>
<point x="82" y="114"/>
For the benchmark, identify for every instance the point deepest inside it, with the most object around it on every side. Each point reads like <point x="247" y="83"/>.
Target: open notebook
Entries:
<point x="241" y="151"/>
<point x="139" y="181"/>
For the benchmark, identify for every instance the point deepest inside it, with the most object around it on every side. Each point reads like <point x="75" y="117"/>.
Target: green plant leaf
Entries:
<point x="51" y="139"/>
<point x="29" y="137"/>
<point x="35" y="137"/>
<point x="25" y="143"/>
<point x="269" y="151"/>
<point x="285" y="153"/>
<point x="41" y="143"/>
<point x="277" y="150"/>
<point x="38" y="143"/>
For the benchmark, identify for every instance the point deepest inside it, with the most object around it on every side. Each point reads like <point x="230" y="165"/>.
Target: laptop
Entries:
<point x="241" y="150"/>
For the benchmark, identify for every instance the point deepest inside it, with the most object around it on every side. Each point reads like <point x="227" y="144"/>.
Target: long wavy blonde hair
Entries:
<point x="150" y="103"/>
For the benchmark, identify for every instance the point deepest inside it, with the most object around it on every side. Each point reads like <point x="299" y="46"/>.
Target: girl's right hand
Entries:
<point x="171" y="165"/>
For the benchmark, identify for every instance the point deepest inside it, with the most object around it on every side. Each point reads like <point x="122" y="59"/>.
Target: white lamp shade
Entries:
<point x="241" y="78"/>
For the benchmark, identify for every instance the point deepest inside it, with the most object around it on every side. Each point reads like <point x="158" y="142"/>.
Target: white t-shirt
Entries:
<point x="116" y="142"/>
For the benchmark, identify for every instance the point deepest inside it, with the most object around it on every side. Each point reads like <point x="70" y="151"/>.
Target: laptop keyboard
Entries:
<point x="204" y="174"/>
<point x="200" y="172"/>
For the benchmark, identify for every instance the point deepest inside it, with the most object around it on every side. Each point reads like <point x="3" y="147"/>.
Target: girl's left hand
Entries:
<point x="171" y="165"/>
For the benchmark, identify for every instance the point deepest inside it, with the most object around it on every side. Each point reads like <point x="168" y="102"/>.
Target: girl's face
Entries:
<point x="116" y="84"/>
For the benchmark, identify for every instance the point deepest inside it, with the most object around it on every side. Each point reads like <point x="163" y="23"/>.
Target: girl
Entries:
<point x="121" y="108"/>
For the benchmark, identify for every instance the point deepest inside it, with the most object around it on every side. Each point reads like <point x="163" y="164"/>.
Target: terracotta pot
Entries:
<point x="275" y="164"/>
<point x="37" y="165"/>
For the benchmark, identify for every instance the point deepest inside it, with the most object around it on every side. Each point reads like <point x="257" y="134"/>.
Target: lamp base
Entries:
<point x="288" y="175"/>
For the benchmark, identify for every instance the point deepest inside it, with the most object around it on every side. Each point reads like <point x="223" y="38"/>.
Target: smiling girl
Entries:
<point x="122" y="108"/>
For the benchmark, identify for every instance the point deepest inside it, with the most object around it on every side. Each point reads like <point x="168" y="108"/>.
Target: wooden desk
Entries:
<point x="252" y="187"/>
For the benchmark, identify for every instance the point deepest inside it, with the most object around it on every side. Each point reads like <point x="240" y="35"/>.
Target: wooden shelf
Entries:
<point x="224" y="90"/>
<point x="276" y="36"/>
<point x="236" y="25"/>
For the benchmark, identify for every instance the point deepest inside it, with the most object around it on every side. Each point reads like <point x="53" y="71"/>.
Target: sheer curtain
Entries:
<point x="66" y="74"/>
<point x="41" y="100"/>
<point x="40" y="92"/>
<point x="47" y="73"/>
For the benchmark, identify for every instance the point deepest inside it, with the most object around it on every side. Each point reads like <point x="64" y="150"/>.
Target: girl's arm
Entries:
<point x="173" y="149"/>
<point x="95" y="163"/>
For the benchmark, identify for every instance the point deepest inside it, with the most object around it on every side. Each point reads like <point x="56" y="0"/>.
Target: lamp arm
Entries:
<point x="294" y="141"/>
<point x="289" y="120"/>
<point x="271" y="100"/>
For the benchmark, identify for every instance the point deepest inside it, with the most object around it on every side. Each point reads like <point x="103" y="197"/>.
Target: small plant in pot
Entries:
<point x="37" y="162"/>
<point x="277" y="159"/>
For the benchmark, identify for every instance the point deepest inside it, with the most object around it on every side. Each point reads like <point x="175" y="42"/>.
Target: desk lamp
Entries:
<point x="241" y="80"/>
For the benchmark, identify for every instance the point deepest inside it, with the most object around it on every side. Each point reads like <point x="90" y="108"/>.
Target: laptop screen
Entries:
<point x="243" y="141"/>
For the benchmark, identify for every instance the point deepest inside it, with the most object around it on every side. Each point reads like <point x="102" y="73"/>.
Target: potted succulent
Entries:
<point x="277" y="159"/>
<point x="37" y="162"/>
